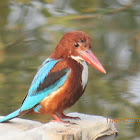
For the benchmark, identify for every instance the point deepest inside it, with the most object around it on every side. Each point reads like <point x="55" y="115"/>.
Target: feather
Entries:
<point x="10" y="116"/>
<point x="44" y="84"/>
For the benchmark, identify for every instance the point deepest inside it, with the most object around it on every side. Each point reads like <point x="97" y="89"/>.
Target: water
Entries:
<point x="29" y="32"/>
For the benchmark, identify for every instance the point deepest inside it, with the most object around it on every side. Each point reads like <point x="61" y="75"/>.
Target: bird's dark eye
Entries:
<point x="76" y="45"/>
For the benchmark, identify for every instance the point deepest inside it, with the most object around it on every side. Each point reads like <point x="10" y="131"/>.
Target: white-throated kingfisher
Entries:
<point x="61" y="79"/>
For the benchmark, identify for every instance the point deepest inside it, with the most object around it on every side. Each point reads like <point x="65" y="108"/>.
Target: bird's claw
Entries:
<point x="63" y="116"/>
<point x="65" y="122"/>
<point x="68" y="117"/>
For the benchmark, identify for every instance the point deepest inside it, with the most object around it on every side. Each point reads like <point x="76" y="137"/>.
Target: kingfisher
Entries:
<point x="61" y="79"/>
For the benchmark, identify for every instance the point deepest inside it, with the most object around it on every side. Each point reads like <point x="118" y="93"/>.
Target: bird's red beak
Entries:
<point x="90" y="58"/>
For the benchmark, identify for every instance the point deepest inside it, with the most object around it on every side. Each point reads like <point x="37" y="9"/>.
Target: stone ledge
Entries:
<point x="90" y="127"/>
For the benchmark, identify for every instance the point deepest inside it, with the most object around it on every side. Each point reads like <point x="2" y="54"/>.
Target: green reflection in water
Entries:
<point x="30" y="30"/>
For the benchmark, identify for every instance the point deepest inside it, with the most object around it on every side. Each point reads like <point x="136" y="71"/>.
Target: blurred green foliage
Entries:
<point x="31" y="29"/>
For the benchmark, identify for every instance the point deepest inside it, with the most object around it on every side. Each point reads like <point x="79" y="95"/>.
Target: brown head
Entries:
<point x="77" y="44"/>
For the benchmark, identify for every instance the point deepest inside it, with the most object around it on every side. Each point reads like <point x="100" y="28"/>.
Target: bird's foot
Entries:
<point x="63" y="116"/>
<point x="57" y="119"/>
<point x="60" y="121"/>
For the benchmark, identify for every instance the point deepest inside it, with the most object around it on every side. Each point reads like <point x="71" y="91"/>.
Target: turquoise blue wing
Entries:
<point x="44" y="83"/>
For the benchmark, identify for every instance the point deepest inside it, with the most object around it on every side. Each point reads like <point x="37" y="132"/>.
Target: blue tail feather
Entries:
<point x="10" y="116"/>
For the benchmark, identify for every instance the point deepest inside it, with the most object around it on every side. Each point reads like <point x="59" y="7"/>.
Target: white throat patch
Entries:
<point x="85" y="69"/>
